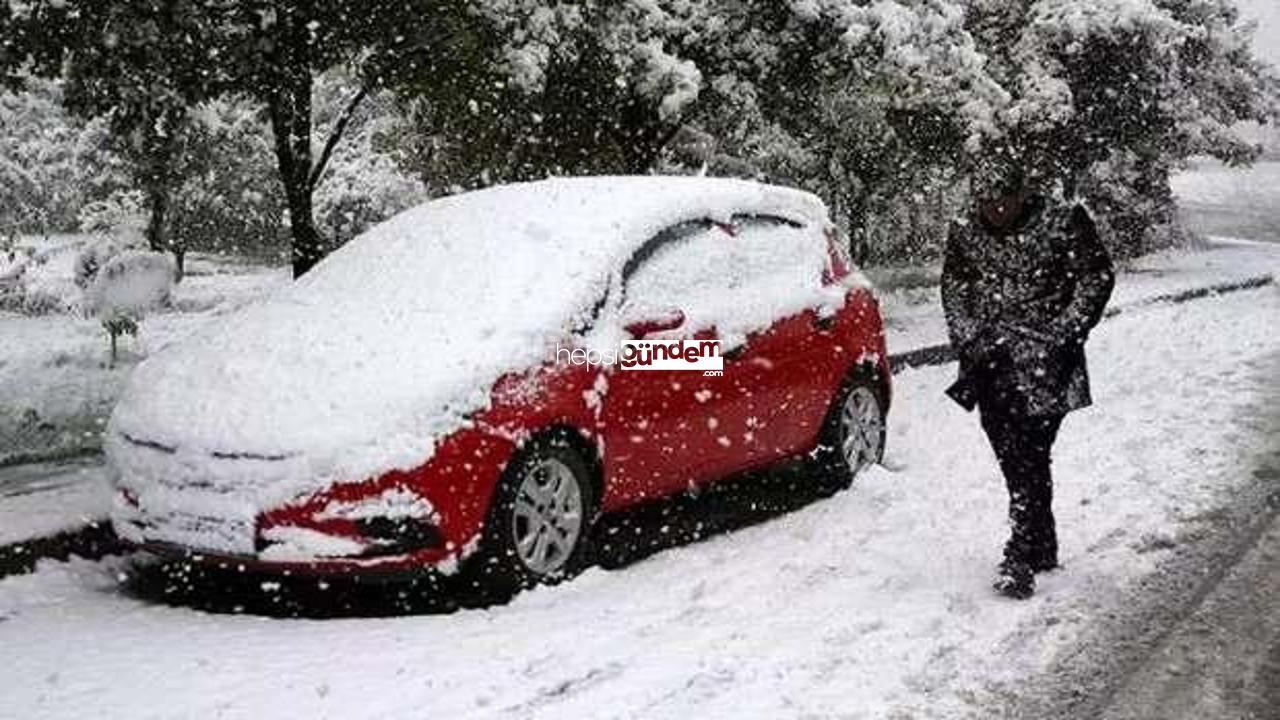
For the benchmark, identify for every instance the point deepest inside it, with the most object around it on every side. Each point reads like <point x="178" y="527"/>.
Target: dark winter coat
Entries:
<point x="1020" y="302"/>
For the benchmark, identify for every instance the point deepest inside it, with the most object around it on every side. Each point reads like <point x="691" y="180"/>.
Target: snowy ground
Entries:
<point x="44" y="499"/>
<point x="873" y="603"/>
<point x="56" y="385"/>
<point x="59" y="370"/>
<point x="1235" y="202"/>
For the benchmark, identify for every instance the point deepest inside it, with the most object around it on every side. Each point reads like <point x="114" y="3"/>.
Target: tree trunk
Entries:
<point x="158" y="203"/>
<point x="308" y="245"/>
<point x="289" y="103"/>
<point x="158" y="144"/>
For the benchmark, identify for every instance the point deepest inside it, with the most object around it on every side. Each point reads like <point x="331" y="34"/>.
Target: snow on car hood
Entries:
<point x="385" y="347"/>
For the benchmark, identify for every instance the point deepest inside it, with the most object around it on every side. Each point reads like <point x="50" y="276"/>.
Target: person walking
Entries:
<point x="1024" y="281"/>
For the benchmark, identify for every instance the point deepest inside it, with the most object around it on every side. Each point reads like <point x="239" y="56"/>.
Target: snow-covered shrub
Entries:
<point x="114" y="224"/>
<point x="1134" y="205"/>
<point x="122" y="215"/>
<point x="37" y="275"/>
<point x="13" y="265"/>
<point x="131" y="284"/>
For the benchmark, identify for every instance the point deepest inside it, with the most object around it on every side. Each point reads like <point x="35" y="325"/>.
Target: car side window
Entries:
<point x="674" y="272"/>
<point x="744" y="276"/>
<point x="776" y="258"/>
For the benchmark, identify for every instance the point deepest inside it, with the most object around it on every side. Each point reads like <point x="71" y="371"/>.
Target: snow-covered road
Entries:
<point x="873" y="603"/>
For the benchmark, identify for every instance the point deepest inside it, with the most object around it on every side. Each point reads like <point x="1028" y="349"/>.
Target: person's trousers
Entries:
<point x="1023" y="446"/>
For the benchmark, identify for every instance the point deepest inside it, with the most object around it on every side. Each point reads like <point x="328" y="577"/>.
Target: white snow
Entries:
<point x="130" y="284"/>
<point x="296" y="543"/>
<point x="775" y="272"/>
<point x="393" y="503"/>
<point x="56" y="386"/>
<point x="871" y="604"/>
<point x="388" y="344"/>
<point x="44" y="499"/>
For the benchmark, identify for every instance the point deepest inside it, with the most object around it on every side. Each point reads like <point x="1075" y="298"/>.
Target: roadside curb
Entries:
<point x="55" y="455"/>
<point x="98" y="539"/>
<point x="92" y="541"/>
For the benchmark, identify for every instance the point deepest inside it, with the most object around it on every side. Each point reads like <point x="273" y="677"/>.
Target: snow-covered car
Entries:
<point x="438" y="392"/>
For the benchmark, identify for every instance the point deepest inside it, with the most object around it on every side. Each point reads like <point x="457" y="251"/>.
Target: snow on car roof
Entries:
<point x="581" y="224"/>
<point x="392" y="340"/>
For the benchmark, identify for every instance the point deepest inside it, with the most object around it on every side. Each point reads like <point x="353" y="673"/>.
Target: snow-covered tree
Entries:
<point x="365" y="181"/>
<point x="229" y="199"/>
<point x="40" y="188"/>
<point x="1120" y="91"/>
<point x="859" y="102"/>
<point x="141" y="64"/>
<point x="275" y="52"/>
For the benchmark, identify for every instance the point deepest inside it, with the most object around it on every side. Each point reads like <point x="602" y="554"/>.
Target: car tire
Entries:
<point x="539" y="521"/>
<point x="853" y="432"/>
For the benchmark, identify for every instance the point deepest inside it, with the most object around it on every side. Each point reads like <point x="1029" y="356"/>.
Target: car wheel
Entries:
<point x="853" y="434"/>
<point x="539" y="520"/>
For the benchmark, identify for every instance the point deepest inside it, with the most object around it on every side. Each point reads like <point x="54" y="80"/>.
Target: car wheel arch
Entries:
<point x="866" y="369"/>
<point x="581" y="442"/>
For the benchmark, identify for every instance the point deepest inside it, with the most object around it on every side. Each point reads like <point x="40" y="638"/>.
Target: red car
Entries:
<point x="452" y="389"/>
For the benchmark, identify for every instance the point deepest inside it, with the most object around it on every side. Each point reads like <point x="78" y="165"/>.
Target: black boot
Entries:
<point x="1043" y="561"/>
<point x="1015" y="579"/>
<point x="1040" y="555"/>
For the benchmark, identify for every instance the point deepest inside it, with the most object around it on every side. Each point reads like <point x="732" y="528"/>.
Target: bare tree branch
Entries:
<point x="335" y="135"/>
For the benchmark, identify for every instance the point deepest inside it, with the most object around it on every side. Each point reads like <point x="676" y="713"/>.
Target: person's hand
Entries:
<point x="986" y="348"/>
<point x="1041" y="336"/>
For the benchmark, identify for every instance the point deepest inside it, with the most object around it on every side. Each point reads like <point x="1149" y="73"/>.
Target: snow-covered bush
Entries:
<point x="13" y="265"/>
<point x="122" y="215"/>
<point x="113" y="225"/>
<point x="94" y="254"/>
<point x="37" y="275"/>
<point x="131" y="284"/>
<point x="1134" y="205"/>
<point x="361" y="190"/>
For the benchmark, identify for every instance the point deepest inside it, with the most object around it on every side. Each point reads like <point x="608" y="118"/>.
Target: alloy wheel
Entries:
<point x="546" y="517"/>
<point x="861" y="429"/>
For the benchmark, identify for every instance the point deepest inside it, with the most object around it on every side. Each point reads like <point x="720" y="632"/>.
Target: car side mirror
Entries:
<point x="670" y="320"/>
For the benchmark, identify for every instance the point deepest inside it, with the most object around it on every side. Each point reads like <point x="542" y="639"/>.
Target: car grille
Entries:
<point x="220" y="535"/>
<point x="203" y="504"/>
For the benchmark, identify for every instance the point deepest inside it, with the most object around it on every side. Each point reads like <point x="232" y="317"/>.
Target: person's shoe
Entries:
<point x="1015" y="579"/>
